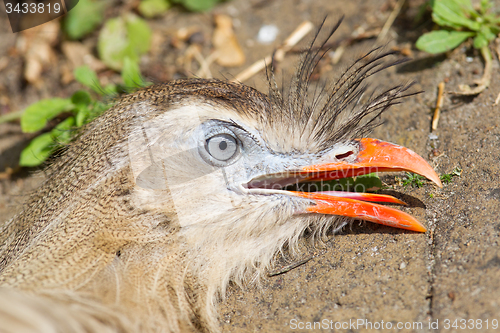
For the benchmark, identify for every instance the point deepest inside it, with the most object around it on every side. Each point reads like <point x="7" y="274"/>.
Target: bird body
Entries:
<point x="181" y="188"/>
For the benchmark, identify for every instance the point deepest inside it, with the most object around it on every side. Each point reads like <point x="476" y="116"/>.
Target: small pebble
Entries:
<point x="433" y="136"/>
<point x="267" y="34"/>
<point x="197" y="38"/>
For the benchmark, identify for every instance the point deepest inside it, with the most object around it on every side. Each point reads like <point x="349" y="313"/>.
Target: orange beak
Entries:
<point x="374" y="156"/>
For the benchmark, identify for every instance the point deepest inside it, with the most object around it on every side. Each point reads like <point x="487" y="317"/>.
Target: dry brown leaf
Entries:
<point x="182" y="35"/>
<point x="4" y="61"/>
<point x="227" y="48"/>
<point x="35" y="45"/>
<point x="66" y="73"/>
<point x="157" y="41"/>
<point x="79" y="54"/>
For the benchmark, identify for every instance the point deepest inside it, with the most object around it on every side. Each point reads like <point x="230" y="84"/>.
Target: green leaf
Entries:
<point x="464" y="5"/>
<point x="152" y="8"/>
<point x="36" y="115"/>
<point x="123" y="37"/>
<point x="88" y="78"/>
<point x="199" y="5"/>
<point x="485" y="5"/>
<point x="81" y="97"/>
<point x="82" y="114"/>
<point x="82" y="101"/>
<point x="345" y="184"/>
<point x="367" y="183"/>
<point x="84" y="18"/>
<point x="480" y="41"/>
<point x="484" y="37"/>
<point x="413" y="180"/>
<point x="62" y="133"/>
<point x="444" y="23"/>
<point x="39" y="149"/>
<point x="131" y="74"/>
<point x="111" y="89"/>
<point x="489" y="32"/>
<point x="139" y="34"/>
<point x="113" y="44"/>
<point x="441" y="40"/>
<point x="453" y="13"/>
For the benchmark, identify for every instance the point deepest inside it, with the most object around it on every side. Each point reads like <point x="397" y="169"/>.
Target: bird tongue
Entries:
<point x="374" y="156"/>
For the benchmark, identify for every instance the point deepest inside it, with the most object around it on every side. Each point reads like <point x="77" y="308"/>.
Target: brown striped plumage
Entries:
<point x="92" y="251"/>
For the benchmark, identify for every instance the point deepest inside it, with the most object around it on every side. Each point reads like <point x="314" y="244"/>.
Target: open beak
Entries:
<point x="374" y="156"/>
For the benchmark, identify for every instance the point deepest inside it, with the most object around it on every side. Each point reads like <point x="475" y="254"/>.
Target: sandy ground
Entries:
<point x="367" y="273"/>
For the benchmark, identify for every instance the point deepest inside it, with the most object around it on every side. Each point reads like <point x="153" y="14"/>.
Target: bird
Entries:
<point x="185" y="187"/>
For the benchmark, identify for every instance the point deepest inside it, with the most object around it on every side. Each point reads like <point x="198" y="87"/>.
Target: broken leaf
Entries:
<point x="131" y="74"/>
<point x="453" y="13"/>
<point x="442" y="40"/>
<point x="152" y="8"/>
<point x="39" y="149"/>
<point x="36" y="46"/>
<point x="88" y="78"/>
<point x="85" y="17"/>
<point x="121" y="37"/>
<point x="79" y="54"/>
<point x="36" y="115"/>
<point x="197" y="5"/>
<point x="227" y="48"/>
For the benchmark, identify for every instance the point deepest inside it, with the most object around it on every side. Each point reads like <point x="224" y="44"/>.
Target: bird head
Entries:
<point x="184" y="186"/>
<point x="240" y="169"/>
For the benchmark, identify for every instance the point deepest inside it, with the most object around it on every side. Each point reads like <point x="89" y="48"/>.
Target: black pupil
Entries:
<point x="223" y="145"/>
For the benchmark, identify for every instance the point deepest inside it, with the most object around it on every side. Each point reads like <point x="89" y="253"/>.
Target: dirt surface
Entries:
<point x="367" y="272"/>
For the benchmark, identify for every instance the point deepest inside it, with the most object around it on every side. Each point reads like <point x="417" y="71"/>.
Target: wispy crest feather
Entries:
<point x="334" y="112"/>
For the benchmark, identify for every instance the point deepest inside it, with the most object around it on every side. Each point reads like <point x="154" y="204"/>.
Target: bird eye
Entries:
<point x="222" y="147"/>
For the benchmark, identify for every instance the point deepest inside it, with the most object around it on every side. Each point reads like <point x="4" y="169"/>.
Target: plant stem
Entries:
<point x="484" y="82"/>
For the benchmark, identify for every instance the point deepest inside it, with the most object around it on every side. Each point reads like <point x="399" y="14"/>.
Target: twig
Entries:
<point x="390" y="20"/>
<point x="439" y="105"/>
<point x="204" y="70"/>
<point x="339" y="52"/>
<point x="497" y="49"/>
<point x="9" y="172"/>
<point x="295" y="264"/>
<point x="303" y="29"/>
<point x="11" y="116"/>
<point x="357" y="35"/>
<point x="482" y="83"/>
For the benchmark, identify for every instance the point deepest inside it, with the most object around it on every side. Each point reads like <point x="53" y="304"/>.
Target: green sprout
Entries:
<point x="364" y="183"/>
<point x="152" y="8"/>
<point x="447" y="177"/>
<point x="77" y="110"/>
<point x="460" y="21"/>
<point x="413" y="180"/>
